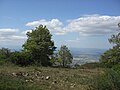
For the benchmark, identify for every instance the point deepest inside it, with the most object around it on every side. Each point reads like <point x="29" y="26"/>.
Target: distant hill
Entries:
<point x="91" y="51"/>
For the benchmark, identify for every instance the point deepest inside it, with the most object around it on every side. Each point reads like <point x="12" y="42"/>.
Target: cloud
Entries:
<point x="94" y="25"/>
<point x="53" y="25"/>
<point x="8" y="34"/>
<point x="85" y="25"/>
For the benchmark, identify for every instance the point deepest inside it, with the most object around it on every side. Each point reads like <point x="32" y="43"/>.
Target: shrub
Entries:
<point x="4" y="55"/>
<point x="21" y="58"/>
<point x="111" y="57"/>
<point x="110" y="80"/>
<point x="92" y="65"/>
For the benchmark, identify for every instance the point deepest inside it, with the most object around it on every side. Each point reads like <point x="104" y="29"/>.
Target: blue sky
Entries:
<point x="75" y="23"/>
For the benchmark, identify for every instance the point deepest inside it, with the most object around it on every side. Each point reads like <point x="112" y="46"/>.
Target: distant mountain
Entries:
<point x="90" y="51"/>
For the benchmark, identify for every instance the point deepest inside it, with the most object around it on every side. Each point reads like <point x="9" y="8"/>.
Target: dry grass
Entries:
<point x="47" y="78"/>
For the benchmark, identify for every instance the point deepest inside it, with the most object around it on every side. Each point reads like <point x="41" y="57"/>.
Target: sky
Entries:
<point x="75" y="23"/>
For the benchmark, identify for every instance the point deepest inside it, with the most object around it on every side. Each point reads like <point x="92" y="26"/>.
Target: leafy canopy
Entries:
<point x="65" y="56"/>
<point x="40" y="45"/>
<point x="112" y="56"/>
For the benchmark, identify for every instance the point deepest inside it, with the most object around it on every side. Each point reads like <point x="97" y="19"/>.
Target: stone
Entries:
<point x="47" y="77"/>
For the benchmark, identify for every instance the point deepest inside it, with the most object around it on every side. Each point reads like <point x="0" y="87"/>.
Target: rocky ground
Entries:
<point x="47" y="78"/>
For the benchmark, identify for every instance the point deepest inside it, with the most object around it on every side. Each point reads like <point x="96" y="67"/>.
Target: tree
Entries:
<point x="112" y="56"/>
<point x="21" y="58"/>
<point x="65" y="57"/>
<point x="115" y="39"/>
<point x="40" y="45"/>
<point x="4" y="53"/>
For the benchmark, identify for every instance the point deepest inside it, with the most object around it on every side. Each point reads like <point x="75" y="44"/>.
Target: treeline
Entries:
<point x="38" y="50"/>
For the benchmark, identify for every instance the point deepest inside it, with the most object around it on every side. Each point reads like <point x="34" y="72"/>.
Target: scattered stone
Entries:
<point x="31" y="80"/>
<point x="14" y="74"/>
<point x="54" y="82"/>
<point x="25" y="74"/>
<point x="27" y="80"/>
<point x="19" y="74"/>
<point x="42" y="77"/>
<point x="36" y="74"/>
<point x="47" y="78"/>
<point x="72" y="85"/>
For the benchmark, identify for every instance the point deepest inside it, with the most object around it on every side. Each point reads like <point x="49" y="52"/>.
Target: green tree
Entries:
<point x="112" y="56"/>
<point x="40" y="45"/>
<point x="5" y="52"/>
<point x="21" y="58"/>
<point x="4" y="55"/>
<point x="65" y="57"/>
<point x="115" y="39"/>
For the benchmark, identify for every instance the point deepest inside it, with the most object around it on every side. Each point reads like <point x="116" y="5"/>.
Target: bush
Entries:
<point x="116" y="67"/>
<point x="4" y="55"/>
<point x="110" y="80"/>
<point x="92" y="65"/>
<point x="21" y="58"/>
<point x="111" y="57"/>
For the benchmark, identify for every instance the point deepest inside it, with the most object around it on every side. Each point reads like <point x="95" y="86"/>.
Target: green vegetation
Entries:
<point x="112" y="56"/>
<point x="46" y="78"/>
<point x="110" y="79"/>
<point x="21" y="58"/>
<point x="63" y="58"/>
<point x="39" y="45"/>
<point x="23" y="70"/>
<point x="9" y="82"/>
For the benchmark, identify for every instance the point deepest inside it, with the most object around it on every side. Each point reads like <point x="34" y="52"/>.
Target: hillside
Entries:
<point x="46" y="78"/>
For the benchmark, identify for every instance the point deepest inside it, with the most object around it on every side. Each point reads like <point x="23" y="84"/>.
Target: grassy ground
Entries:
<point x="46" y="78"/>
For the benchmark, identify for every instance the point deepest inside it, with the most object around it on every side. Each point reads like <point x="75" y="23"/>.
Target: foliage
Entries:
<point x="108" y="81"/>
<point x="91" y="65"/>
<point x="65" y="57"/>
<point x="40" y="45"/>
<point x="21" y="58"/>
<point x="60" y="78"/>
<point x="116" y="67"/>
<point x="8" y="82"/>
<point x="112" y="56"/>
<point x="115" y="39"/>
<point x="4" y="55"/>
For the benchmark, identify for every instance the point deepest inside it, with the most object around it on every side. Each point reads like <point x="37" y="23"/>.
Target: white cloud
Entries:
<point x="13" y="35"/>
<point x="86" y="25"/>
<point x="93" y="25"/>
<point x="53" y="25"/>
